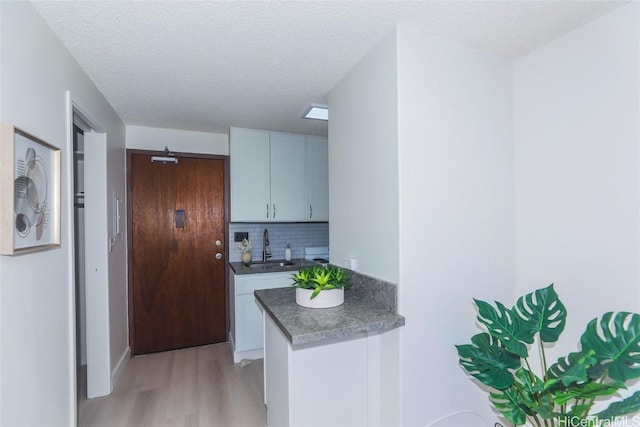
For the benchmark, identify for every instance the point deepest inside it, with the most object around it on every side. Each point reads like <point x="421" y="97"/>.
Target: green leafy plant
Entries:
<point x="320" y="278"/>
<point x="566" y="391"/>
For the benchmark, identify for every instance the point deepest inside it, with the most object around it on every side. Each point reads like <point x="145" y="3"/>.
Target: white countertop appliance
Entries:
<point x="319" y="254"/>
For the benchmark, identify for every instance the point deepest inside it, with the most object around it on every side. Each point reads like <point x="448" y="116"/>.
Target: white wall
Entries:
<point x="511" y="176"/>
<point x="147" y="138"/>
<point x="363" y="165"/>
<point x="363" y="188"/>
<point x="421" y="131"/>
<point x="37" y="356"/>
<point x="577" y="148"/>
<point x="457" y="231"/>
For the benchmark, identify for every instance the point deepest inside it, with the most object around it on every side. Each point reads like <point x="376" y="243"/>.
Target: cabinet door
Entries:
<point x="288" y="177"/>
<point x="247" y="330"/>
<point x="250" y="175"/>
<point x="249" y="323"/>
<point x="317" y="179"/>
<point x="277" y="359"/>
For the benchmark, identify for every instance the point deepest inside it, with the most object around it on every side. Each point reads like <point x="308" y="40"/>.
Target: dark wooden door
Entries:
<point x="178" y="285"/>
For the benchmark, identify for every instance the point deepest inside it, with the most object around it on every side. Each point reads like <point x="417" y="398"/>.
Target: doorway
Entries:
<point x="93" y="160"/>
<point x="79" y="252"/>
<point x="178" y="251"/>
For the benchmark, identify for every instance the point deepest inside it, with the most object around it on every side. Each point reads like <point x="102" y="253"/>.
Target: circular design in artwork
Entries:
<point x="30" y="195"/>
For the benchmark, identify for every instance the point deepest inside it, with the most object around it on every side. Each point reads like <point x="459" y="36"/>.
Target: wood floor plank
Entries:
<point x="148" y="409"/>
<point x="113" y="411"/>
<point x="194" y="387"/>
<point x="182" y="402"/>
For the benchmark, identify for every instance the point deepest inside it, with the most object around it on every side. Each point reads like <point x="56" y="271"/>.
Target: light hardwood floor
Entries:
<point x="191" y="387"/>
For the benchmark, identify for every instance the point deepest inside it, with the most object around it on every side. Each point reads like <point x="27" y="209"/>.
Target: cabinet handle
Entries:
<point x="310" y="211"/>
<point x="267" y="210"/>
<point x="274" y="211"/>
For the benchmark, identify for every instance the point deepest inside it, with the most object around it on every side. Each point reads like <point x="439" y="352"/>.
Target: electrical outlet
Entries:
<point x="239" y="235"/>
<point x="350" y="263"/>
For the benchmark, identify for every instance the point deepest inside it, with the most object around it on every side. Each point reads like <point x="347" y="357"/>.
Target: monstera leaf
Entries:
<point x="615" y="341"/>
<point x="527" y="381"/>
<point x="630" y="405"/>
<point x="509" y="403"/>
<point x="571" y="369"/>
<point x="542" y="312"/>
<point x="488" y="361"/>
<point x="584" y="391"/>
<point x="502" y="323"/>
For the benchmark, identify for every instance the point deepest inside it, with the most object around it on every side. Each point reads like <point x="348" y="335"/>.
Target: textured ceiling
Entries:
<point x="209" y="65"/>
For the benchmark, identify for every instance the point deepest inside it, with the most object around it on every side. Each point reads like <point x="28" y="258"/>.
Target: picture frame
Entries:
<point x="29" y="193"/>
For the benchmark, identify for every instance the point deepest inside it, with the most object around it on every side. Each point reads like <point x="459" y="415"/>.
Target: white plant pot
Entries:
<point x="325" y="299"/>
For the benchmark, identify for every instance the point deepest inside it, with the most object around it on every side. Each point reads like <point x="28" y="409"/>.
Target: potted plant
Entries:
<point x="320" y="286"/>
<point x="565" y="392"/>
<point x="245" y="247"/>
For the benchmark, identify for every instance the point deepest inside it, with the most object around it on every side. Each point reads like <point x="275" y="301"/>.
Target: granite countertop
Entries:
<point x="369" y="306"/>
<point x="273" y="267"/>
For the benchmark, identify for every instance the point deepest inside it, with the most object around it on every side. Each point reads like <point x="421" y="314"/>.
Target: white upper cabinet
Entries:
<point x="288" y="179"/>
<point x="317" y="178"/>
<point x="277" y="176"/>
<point x="250" y="175"/>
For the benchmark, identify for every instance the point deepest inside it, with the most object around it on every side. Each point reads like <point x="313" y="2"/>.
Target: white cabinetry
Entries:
<point x="250" y="175"/>
<point x="288" y="186"/>
<point x="247" y="324"/>
<point x="336" y="368"/>
<point x="317" y="178"/>
<point x="278" y="176"/>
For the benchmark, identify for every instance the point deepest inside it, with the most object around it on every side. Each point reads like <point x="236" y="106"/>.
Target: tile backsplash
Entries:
<point x="298" y="235"/>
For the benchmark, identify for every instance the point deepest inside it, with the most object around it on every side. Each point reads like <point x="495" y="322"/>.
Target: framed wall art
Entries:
<point x="29" y="193"/>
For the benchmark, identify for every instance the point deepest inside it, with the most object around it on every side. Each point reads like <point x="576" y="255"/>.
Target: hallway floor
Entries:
<point x="198" y="386"/>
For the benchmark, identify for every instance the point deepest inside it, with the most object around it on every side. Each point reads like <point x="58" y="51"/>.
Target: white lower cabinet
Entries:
<point x="247" y="324"/>
<point x="332" y="384"/>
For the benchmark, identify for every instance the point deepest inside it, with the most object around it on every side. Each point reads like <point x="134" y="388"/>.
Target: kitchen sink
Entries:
<point x="270" y="264"/>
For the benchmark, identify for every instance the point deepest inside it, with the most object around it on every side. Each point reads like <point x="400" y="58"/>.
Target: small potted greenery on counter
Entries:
<point x="320" y="286"/>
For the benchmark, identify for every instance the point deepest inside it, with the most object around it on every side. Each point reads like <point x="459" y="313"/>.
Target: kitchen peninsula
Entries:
<point x="323" y="366"/>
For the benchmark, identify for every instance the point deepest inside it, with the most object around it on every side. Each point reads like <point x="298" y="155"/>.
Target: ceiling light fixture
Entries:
<point x="317" y="112"/>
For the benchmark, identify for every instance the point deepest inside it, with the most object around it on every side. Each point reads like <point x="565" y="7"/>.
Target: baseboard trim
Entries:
<point x="239" y="356"/>
<point x="119" y="369"/>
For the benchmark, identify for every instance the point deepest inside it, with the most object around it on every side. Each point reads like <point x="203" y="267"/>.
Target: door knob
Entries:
<point x="218" y="242"/>
<point x="218" y="255"/>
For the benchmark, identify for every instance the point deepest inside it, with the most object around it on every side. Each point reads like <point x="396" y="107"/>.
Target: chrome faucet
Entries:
<point x="266" y="250"/>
